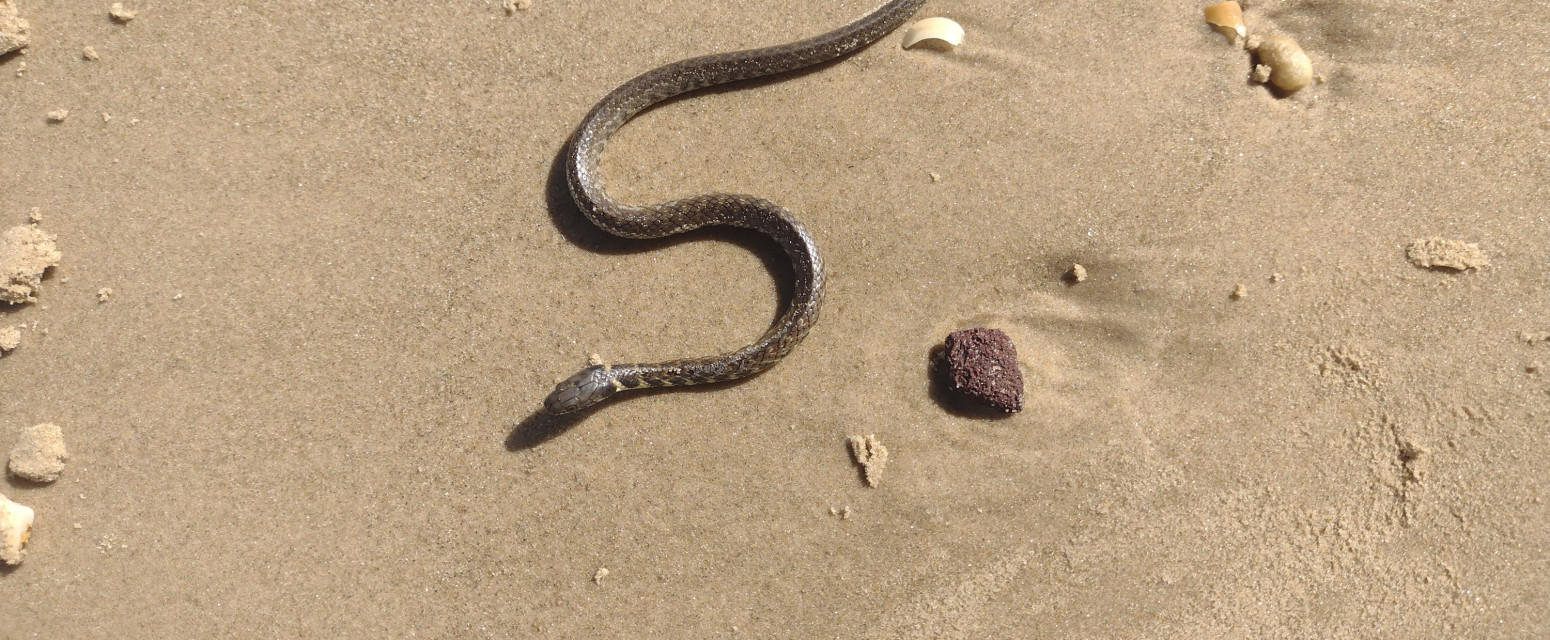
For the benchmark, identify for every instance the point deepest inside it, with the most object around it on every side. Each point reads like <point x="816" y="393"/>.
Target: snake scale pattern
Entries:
<point x="597" y="383"/>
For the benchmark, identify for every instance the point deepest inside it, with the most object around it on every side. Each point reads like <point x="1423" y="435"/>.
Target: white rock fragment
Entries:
<point x="39" y="454"/>
<point x="58" y="115"/>
<point x="13" y="29"/>
<point x="944" y="33"/>
<point x="119" y="14"/>
<point x="15" y="526"/>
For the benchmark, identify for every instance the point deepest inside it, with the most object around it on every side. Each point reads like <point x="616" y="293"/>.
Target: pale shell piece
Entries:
<point x="941" y="29"/>
<point x="1227" y="15"/>
<point x="15" y="526"/>
<point x="1290" y="68"/>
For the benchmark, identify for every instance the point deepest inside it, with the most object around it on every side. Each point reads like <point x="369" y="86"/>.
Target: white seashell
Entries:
<point x="15" y="526"/>
<point x="940" y="29"/>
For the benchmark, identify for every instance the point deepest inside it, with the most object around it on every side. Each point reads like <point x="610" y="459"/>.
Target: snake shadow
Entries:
<point x="540" y="427"/>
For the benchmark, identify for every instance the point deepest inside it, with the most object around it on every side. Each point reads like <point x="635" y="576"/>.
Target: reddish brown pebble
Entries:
<point x="983" y="366"/>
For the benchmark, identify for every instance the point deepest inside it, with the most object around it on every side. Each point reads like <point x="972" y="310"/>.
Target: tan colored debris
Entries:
<point x="871" y="455"/>
<point x="13" y="29"/>
<point x="10" y="339"/>
<point x="25" y="253"/>
<point x="1437" y="253"/>
<point x="119" y="14"/>
<point x="39" y="454"/>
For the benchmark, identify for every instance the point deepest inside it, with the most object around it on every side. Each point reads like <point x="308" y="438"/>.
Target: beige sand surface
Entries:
<point x="329" y="434"/>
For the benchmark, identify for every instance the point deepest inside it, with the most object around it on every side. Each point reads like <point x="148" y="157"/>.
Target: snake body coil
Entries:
<point x="597" y="383"/>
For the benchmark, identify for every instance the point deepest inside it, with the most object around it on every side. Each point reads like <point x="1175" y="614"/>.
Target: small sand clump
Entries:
<point x="10" y="339"/>
<point x="39" y="454"/>
<point x="58" y="115"/>
<point x="1454" y="255"/>
<point x="25" y="253"/>
<point x="13" y="29"/>
<point x="88" y="53"/>
<point x="870" y="453"/>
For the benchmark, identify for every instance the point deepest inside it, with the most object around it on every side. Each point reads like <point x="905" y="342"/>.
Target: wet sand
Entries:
<point x="345" y="273"/>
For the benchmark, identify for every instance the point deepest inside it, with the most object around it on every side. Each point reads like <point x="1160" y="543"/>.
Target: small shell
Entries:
<point x="941" y="29"/>
<point x="1227" y="15"/>
<point x="1290" y="68"/>
<point x="15" y="526"/>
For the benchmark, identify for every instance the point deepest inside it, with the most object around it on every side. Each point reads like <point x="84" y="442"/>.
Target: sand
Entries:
<point x="333" y="433"/>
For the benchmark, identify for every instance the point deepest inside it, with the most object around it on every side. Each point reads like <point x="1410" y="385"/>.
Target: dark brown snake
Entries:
<point x="597" y="383"/>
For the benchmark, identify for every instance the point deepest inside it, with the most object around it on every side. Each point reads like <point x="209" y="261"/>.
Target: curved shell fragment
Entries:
<point x="1227" y="16"/>
<point x="942" y="30"/>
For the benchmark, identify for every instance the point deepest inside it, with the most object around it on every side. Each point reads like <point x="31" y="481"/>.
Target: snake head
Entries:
<point x="588" y="387"/>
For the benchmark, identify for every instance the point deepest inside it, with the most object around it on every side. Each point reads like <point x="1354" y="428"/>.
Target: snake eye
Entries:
<point x="588" y="387"/>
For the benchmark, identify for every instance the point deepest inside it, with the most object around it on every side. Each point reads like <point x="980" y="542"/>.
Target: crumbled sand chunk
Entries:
<point x="1437" y="253"/>
<point x="1261" y="74"/>
<point x="1240" y="292"/>
<point x="104" y="294"/>
<point x="89" y="53"/>
<point x="13" y="29"/>
<point x="602" y="572"/>
<point x="119" y="14"/>
<point x="58" y="115"/>
<point x="25" y="253"/>
<point x="10" y="339"/>
<point x="1534" y="337"/>
<point x="35" y="216"/>
<point x="15" y="526"/>
<point x="513" y="6"/>
<point x="871" y="455"/>
<point x="39" y="454"/>
<point x="1077" y="273"/>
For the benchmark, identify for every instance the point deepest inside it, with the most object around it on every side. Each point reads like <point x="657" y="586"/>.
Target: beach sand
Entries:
<point x="345" y="273"/>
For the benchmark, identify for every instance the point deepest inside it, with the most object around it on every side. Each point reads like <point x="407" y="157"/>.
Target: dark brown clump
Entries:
<point x="982" y="364"/>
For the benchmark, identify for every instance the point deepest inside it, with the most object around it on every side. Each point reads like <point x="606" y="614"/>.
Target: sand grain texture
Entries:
<point x="333" y="432"/>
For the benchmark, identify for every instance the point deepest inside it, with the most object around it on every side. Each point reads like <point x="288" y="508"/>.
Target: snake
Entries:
<point x="599" y="382"/>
